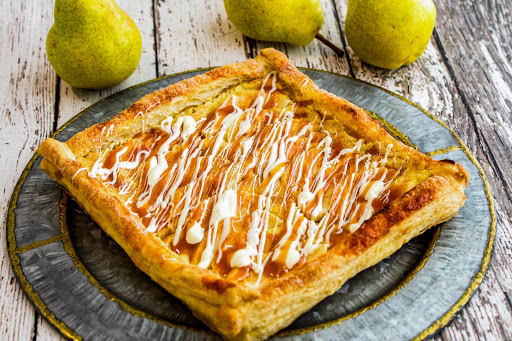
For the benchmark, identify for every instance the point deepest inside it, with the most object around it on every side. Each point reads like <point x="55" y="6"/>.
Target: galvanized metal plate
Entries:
<point x="87" y="287"/>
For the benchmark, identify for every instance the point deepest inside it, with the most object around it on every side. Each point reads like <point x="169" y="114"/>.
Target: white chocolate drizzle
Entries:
<point x="299" y="182"/>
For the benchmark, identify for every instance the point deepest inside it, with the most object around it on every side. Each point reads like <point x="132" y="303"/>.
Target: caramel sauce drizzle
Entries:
<point x="252" y="188"/>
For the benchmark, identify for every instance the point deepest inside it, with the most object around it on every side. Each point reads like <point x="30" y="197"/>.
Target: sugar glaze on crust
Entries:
<point x="250" y="194"/>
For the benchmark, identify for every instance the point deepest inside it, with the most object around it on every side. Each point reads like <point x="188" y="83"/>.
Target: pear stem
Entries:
<point x="339" y="51"/>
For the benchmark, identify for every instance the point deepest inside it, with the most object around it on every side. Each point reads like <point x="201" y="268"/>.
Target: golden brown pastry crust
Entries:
<point x="243" y="310"/>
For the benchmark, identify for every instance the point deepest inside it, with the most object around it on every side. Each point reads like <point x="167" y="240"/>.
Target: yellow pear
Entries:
<point x="93" y="43"/>
<point x="389" y="33"/>
<point x="290" y="21"/>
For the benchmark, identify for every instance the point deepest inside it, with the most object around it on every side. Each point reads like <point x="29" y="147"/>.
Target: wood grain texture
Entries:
<point x="464" y="78"/>
<point x="27" y="98"/>
<point x="195" y="34"/>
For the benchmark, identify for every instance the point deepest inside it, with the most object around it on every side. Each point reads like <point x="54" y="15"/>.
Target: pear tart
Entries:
<point x="251" y="194"/>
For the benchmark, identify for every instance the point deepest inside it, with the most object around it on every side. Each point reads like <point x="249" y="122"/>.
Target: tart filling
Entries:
<point x="256" y="186"/>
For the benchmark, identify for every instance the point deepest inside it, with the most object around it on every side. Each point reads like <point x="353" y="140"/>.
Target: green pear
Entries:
<point x="290" y="21"/>
<point x="389" y="33"/>
<point x="93" y="44"/>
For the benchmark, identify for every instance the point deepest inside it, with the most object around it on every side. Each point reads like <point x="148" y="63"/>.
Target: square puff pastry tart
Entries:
<point x="251" y="194"/>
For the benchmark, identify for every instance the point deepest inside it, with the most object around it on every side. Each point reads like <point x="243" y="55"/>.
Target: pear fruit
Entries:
<point x="290" y="21"/>
<point x="389" y="33"/>
<point x="93" y="44"/>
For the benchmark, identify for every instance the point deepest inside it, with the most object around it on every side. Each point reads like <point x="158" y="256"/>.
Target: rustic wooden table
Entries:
<point x="464" y="78"/>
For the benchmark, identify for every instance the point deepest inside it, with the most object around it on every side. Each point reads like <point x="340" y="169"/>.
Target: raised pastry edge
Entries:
<point x="242" y="312"/>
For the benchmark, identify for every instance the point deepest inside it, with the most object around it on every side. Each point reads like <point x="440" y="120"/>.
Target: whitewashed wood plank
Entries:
<point x="44" y="331"/>
<point x="195" y="34"/>
<point x="315" y="55"/>
<point x="73" y="100"/>
<point x="27" y="97"/>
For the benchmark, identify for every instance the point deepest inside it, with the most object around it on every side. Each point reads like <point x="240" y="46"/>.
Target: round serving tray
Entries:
<point x="83" y="283"/>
